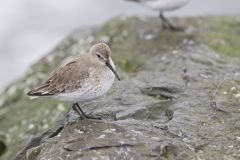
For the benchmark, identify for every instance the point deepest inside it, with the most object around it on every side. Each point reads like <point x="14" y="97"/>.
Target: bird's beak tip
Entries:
<point x="111" y="68"/>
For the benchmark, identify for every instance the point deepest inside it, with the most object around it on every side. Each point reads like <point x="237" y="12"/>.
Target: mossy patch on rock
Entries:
<point x="222" y="34"/>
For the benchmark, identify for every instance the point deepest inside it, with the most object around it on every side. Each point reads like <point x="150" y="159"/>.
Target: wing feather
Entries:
<point x="65" y="79"/>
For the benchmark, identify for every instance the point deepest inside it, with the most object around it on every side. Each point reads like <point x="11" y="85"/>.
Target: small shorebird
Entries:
<point x="163" y="6"/>
<point x="83" y="79"/>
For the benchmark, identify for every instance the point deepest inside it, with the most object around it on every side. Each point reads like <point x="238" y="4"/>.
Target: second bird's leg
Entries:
<point x="167" y="24"/>
<point x="83" y="114"/>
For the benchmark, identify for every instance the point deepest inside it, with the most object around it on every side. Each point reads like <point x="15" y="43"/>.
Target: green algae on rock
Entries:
<point x="222" y="34"/>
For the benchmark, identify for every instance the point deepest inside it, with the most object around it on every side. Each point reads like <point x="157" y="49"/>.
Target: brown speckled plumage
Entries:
<point x="74" y="74"/>
<point x="66" y="79"/>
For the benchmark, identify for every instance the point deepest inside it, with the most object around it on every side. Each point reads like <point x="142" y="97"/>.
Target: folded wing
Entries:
<point x="64" y="80"/>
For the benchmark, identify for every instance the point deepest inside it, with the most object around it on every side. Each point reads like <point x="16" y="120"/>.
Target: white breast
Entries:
<point x="165" y="5"/>
<point x="95" y="86"/>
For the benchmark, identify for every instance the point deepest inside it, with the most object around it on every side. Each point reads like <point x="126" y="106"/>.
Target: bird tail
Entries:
<point x="40" y="91"/>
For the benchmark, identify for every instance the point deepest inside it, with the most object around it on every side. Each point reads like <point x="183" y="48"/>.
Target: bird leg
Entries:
<point x="74" y="107"/>
<point x="167" y="24"/>
<point x="81" y="113"/>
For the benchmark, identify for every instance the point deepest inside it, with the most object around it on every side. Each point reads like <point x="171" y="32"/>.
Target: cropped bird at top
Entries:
<point x="83" y="79"/>
<point x="163" y="6"/>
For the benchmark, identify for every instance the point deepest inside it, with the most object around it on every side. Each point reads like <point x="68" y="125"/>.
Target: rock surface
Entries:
<point x="179" y="100"/>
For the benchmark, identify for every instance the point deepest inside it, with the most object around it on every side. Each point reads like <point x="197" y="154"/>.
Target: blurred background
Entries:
<point x="29" y="29"/>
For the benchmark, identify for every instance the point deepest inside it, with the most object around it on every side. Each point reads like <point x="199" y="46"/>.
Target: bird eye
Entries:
<point x="98" y="55"/>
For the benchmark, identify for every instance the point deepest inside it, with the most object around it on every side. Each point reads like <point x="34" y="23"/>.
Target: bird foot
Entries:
<point x="172" y="28"/>
<point x="176" y="29"/>
<point x="91" y="117"/>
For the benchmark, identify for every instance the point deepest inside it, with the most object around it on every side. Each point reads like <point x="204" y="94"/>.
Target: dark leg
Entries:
<point x="164" y="23"/>
<point x="167" y="24"/>
<point x="74" y="107"/>
<point x="56" y="132"/>
<point x="83" y="114"/>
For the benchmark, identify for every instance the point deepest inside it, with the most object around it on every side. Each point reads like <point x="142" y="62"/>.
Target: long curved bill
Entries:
<point x="111" y="68"/>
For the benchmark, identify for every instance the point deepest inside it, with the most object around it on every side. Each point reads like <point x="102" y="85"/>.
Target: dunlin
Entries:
<point x="83" y="79"/>
<point x="163" y="6"/>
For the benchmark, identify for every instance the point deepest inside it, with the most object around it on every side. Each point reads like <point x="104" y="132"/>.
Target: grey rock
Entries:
<point x="157" y="116"/>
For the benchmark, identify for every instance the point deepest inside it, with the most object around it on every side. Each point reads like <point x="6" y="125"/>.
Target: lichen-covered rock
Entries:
<point x="179" y="99"/>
